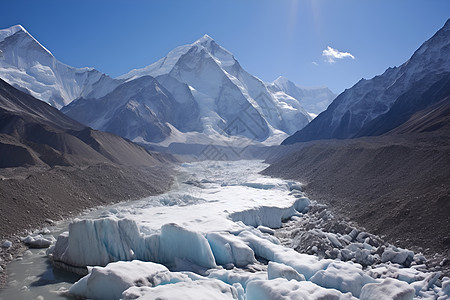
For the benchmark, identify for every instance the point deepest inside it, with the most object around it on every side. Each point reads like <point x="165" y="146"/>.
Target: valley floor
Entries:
<point x="223" y="231"/>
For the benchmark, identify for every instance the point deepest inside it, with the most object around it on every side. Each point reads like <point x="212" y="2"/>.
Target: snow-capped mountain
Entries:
<point x="208" y="98"/>
<point x="313" y="99"/>
<point x="201" y="95"/>
<point x="29" y="66"/>
<point x="353" y="111"/>
<point x="139" y="109"/>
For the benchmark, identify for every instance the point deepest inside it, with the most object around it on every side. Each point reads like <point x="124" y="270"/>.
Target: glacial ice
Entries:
<point x="304" y="264"/>
<point x="387" y="289"/>
<point x="397" y="255"/>
<point x="37" y="241"/>
<point x="153" y="249"/>
<point x="98" y="242"/>
<point x="228" y="249"/>
<point x="191" y="290"/>
<point x="236" y="276"/>
<point x="345" y="277"/>
<point x="101" y="241"/>
<point x="177" y="242"/>
<point x="111" y="281"/>
<point x="281" y="288"/>
<point x="277" y="270"/>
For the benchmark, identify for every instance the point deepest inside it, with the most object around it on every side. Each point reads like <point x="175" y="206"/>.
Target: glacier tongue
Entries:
<point x="209" y="255"/>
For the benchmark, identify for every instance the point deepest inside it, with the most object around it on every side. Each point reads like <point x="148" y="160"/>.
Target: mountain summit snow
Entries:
<point x="29" y="66"/>
<point x="313" y="99"/>
<point x="196" y="94"/>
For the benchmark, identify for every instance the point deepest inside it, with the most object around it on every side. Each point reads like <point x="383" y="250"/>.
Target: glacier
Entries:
<point x="186" y="244"/>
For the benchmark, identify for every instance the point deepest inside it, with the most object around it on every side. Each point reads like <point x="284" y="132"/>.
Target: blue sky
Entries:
<point x="268" y="38"/>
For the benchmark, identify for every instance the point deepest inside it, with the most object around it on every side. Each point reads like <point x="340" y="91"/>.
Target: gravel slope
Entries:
<point x="31" y="196"/>
<point x="396" y="186"/>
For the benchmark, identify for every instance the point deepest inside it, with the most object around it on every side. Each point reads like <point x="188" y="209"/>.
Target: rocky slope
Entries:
<point x="52" y="166"/>
<point x="396" y="185"/>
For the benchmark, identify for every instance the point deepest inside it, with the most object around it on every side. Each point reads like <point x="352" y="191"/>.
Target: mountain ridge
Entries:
<point x="28" y="65"/>
<point x="226" y="104"/>
<point x="52" y="138"/>
<point x="223" y="103"/>
<point x="366" y="100"/>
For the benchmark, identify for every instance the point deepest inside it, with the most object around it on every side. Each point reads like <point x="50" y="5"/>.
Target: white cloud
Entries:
<point x="315" y="63"/>
<point x="332" y="54"/>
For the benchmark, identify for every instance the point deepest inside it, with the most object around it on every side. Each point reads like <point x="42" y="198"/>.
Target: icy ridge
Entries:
<point x="226" y="93"/>
<point x="29" y="66"/>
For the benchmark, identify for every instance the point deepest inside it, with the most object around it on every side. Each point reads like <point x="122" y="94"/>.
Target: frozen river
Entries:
<point x="213" y="236"/>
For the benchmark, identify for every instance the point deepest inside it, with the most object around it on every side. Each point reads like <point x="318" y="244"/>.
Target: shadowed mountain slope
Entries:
<point x="53" y="167"/>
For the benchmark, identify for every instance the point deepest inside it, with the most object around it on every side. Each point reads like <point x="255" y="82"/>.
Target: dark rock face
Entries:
<point x="42" y="135"/>
<point x="421" y="95"/>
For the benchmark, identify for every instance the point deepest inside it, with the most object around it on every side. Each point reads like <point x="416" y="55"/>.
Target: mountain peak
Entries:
<point x="205" y="41"/>
<point x="4" y="33"/>
<point x="281" y="79"/>
<point x="204" y="38"/>
<point x="16" y="28"/>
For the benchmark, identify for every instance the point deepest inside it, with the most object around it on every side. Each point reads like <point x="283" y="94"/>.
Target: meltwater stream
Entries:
<point x="204" y="198"/>
<point x="212" y="237"/>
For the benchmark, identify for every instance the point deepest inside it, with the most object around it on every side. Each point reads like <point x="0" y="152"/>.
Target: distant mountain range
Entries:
<point x="377" y="106"/>
<point x="30" y="67"/>
<point x="197" y="94"/>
